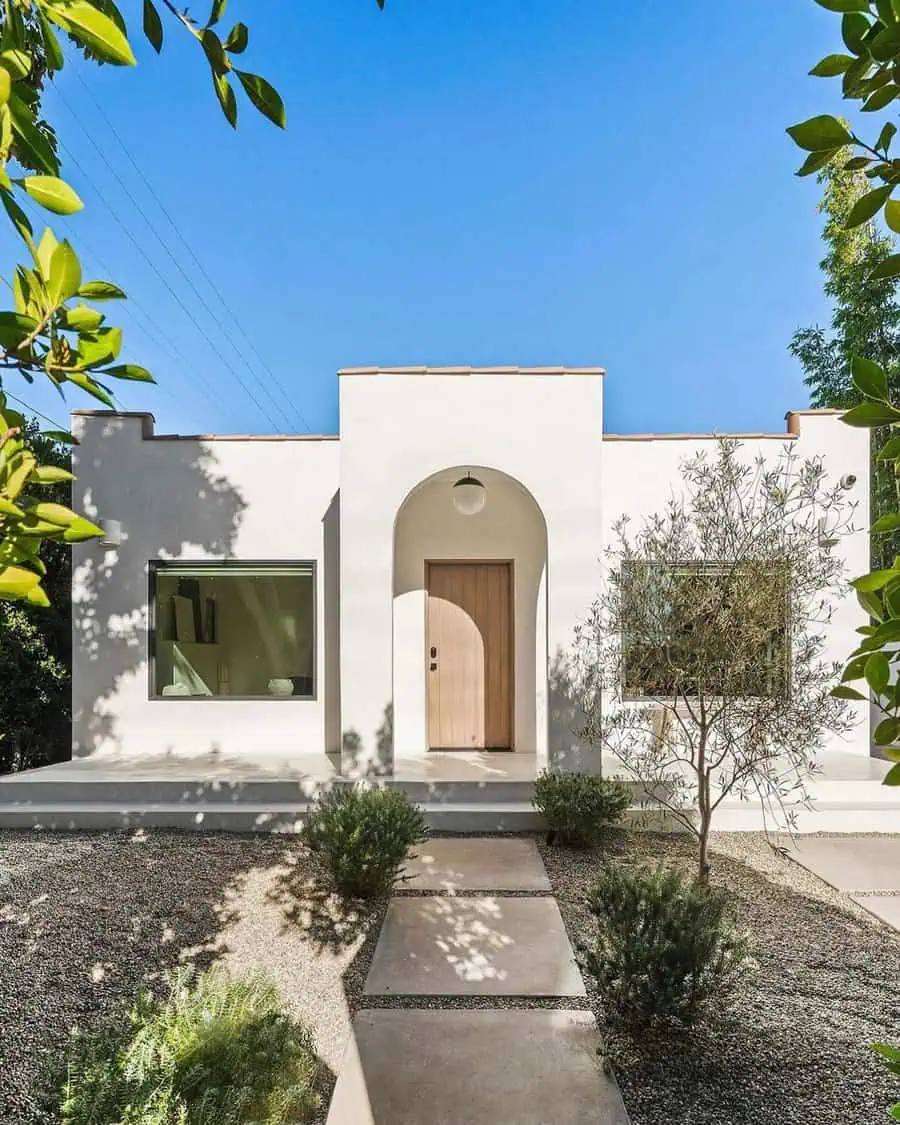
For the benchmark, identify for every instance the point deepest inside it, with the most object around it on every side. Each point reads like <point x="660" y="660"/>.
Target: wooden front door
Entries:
<point x="469" y="656"/>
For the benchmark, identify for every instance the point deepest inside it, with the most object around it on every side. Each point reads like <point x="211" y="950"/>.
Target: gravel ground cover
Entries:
<point x="793" y="1049"/>
<point x="86" y="920"/>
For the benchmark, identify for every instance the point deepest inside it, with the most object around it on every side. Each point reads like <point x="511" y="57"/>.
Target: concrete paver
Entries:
<point x="852" y="863"/>
<point x="885" y="907"/>
<point x="486" y="946"/>
<point x="470" y="863"/>
<point x="459" y="1067"/>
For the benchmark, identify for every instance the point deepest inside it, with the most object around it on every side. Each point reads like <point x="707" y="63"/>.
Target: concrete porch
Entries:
<point x="460" y="792"/>
<point x="463" y="792"/>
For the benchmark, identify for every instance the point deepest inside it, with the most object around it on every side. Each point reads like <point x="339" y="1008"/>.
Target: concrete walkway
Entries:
<point x="479" y="929"/>
<point x="867" y="868"/>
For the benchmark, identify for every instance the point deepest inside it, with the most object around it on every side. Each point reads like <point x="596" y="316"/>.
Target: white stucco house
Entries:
<point x="267" y="597"/>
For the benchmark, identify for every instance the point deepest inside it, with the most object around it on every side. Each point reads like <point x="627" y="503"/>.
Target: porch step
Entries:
<point x="138" y="791"/>
<point x="96" y="816"/>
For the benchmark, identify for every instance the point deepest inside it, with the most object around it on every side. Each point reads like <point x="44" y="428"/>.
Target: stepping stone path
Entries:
<point x="479" y="928"/>
<point x="867" y="868"/>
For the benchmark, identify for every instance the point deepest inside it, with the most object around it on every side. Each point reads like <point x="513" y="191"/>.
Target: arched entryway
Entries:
<point x="470" y="619"/>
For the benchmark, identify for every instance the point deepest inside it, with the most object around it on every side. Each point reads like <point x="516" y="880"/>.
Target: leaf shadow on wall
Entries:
<point x="179" y="503"/>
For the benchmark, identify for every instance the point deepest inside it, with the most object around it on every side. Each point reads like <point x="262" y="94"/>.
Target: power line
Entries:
<point x="172" y="223"/>
<point x="130" y="309"/>
<point x="222" y="328"/>
<point x="168" y="287"/>
<point x="21" y="402"/>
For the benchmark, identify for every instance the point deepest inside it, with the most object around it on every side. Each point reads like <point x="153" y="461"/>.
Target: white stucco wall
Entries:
<point x="510" y="527"/>
<point x="368" y="511"/>
<point x="190" y="499"/>
<point x="397" y="431"/>
<point x="640" y="474"/>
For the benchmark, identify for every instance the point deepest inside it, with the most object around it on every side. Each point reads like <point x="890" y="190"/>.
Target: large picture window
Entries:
<point x="703" y="628"/>
<point x="227" y="629"/>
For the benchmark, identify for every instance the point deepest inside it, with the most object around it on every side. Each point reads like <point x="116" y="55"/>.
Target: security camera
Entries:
<point x="847" y="481"/>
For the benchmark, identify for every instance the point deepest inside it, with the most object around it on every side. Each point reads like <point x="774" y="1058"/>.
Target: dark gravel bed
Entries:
<point x="88" y="919"/>
<point x="793" y="1049"/>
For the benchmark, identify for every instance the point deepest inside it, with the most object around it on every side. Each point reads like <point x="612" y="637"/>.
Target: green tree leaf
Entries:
<point x="882" y="97"/>
<point x="831" y="66"/>
<point x="96" y="348"/>
<point x="14" y="328"/>
<point x="843" y="691"/>
<point x="878" y="673"/>
<point x="817" y="133"/>
<point x="218" y="10"/>
<point x="100" y="291"/>
<point x="129" y="371"/>
<point x="890" y="522"/>
<point x="266" y="98"/>
<point x="871" y="603"/>
<point x="227" y="100"/>
<point x="870" y="414"/>
<point x="16" y="581"/>
<point x="885" y="137"/>
<point x="868" y="206"/>
<point x="870" y="378"/>
<point x="153" y="28"/>
<point x="65" y="273"/>
<point x="30" y="139"/>
<point x="886" y="732"/>
<point x="50" y="474"/>
<point x="53" y="194"/>
<point x="815" y="161"/>
<point x="55" y="58"/>
<point x="875" y="580"/>
<point x="215" y="53"/>
<point x="237" y="39"/>
<point x="91" y="386"/>
<point x="844" y="5"/>
<point x="93" y="29"/>
<point x="890" y="451"/>
<point x="854" y="28"/>
<point x="890" y="267"/>
<point x="82" y="318"/>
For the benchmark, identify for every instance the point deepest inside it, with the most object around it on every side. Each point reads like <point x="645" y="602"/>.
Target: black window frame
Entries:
<point x="158" y="566"/>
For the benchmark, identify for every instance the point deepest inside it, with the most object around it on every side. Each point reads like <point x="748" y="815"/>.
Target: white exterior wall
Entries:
<point x="189" y="499"/>
<point x="397" y="431"/>
<point x="369" y="511"/>
<point x="640" y="474"/>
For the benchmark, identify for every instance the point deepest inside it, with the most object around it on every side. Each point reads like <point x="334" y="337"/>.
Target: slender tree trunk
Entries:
<point x="704" y="844"/>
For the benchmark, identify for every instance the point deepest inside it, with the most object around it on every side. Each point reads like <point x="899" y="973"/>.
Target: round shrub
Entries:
<point x="215" y="1051"/>
<point x="362" y="837"/>
<point x="579" y="806"/>
<point x="667" y="946"/>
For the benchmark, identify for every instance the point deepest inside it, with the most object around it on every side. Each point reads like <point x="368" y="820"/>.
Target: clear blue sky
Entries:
<point x="465" y="182"/>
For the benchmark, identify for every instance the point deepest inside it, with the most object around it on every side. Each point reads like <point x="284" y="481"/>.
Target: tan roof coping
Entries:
<point x="697" y="437"/>
<point x="472" y="371"/>
<point x="148" y="422"/>
<point x="793" y="417"/>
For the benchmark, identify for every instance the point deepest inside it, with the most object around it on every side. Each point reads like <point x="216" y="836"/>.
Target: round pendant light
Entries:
<point x="469" y="496"/>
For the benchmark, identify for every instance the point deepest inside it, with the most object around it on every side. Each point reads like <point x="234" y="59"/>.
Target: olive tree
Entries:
<point x="700" y="669"/>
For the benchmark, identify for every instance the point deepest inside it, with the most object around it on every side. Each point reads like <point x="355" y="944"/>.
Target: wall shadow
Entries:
<point x="175" y="501"/>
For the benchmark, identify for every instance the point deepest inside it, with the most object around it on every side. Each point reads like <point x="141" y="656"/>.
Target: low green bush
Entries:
<point x="362" y="837"/>
<point x="579" y="806"/>
<point x="667" y="946"/>
<point x="215" y="1051"/>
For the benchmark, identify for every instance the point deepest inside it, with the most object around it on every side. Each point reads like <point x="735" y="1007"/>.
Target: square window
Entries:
<point x="228" y="629"/>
